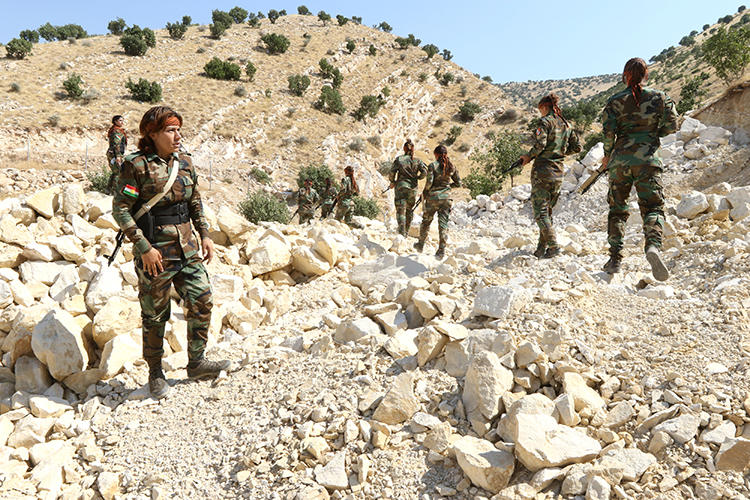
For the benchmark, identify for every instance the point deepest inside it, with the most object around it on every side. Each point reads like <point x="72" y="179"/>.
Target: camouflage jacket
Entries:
<point x="329" y="194"/>
<point x="631" y="132"/>
<point x="143" y="175"/>
<point x="406" y="171"/>
<point x="117" y="144"/>
<point x="347" y="191"/>
<point x="307" y="198"/>
<point x="552" y="141"/>
<point x="438" y="186"/>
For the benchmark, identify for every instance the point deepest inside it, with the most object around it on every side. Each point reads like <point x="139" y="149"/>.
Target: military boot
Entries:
<point x="613" y="264"/>
<point x="204" y="368"/>
<point x="552" y="251"/>
<point x="157" y="382"/>
<point x="540" y="248"/>
<point x="419" y="246"/>
<point x="440" y="252"/>
<point x="658" y="269"/>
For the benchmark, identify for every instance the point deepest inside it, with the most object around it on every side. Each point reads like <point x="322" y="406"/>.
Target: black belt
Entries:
<point x="178" y="213"/>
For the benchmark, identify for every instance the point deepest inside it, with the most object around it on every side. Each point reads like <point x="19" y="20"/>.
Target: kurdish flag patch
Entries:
<point x="131" y="191"/>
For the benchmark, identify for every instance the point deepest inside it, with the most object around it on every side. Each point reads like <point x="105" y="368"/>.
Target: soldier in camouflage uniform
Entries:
<point x="405" y="174"/>
<point x="553" y="140"/>
<point x="633" y="122"/>
<point x="441" y="177"/>
<point x="328" y="197"/>
<point x="118" y="141"/>
<point x="349" y="189"/>
<point x="165" y="248"/>
<point x="307" y="198"/>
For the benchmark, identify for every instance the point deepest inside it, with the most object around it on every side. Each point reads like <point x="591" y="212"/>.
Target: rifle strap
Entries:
<point x="153" y="201"/>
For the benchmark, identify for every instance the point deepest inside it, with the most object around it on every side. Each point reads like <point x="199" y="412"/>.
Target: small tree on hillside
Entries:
<point x="48" y="32"/>
<point x="468" y="110"/>
<point x="238" y="15"/>
<point x="18" y="48"/>
<point x="324" y="16"/>
<point x="350" y="46"/>
<point x="372" y="50"/>
<point x="318" y="175"/>
<point x="298" y="84"/>
<point x="217" y="30"/>
<point x="329" y="101"/>
<point x="144" y="91"/>
<point x="29" y="35"/>
<point x="253" y="21"/>
<point x="250" y="70"/>
<point x="342" y="20"/>
<point x="187" y="20"/>
<point x="692" y="93"/>
<point x="303" y="11"/>
<point x="275" y="43"/>
<point x="368" y="106"/>
<point x="116" y="26"/>
<point x="176" y="30"/>
<point x="73" y="87"/>
<point x="133" y="44"/>
<point x="728" y="52"/>
<point x="492" y="160"/>
<point x="447" y="55"/>
<point x="222" y="70"/>
<point x="384" y="26"/>
<point x="403" y="43"/>
<point x="273" y="15"/>
<point x="430" y="50"/>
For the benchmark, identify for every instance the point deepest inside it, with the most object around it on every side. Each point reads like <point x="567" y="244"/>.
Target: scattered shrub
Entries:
<point x="385" y="27"/>
<point x="369" y="105"/>
<point x="453" y="134"/>
<point x="301" y="140"/>
<point x="250" y="70"/>
<point x="687" y="41"/>
<point x="487" y="79"/>
<point x="691" y="94"/>
<point x="254" y="22"/>
<point x="15" y="87"/>
<point x="48" y="32"/>
<point x="375" y="140"/>
<point x="275" y="43"/>
<point x="260" y="175"/>
<point x="217" y="30"/>
<point x="144" y="91"/>
<point x="342" y="20"/>
<point x="464" y="90"/>
<point x="372" y="50"/>
<point x="402" y="42"/>
<point x="116" y="26"/>
<point x="468" y="110"/>
<point x="365" y="207"/>
<point x="727" y="52"/>
<point x="18" y="48"/>
<point x="73" y="87"/>
<point x="447" y="55"/>
<point x="318" y="175"/>
<point x="350" y="46"/>
<point x="488" y="178"/>
<point x="187" y="20"/>
<point x="303" y="11"/>
<point x="357" y="144"/>
<point x="324" y="17"/>
<point x="464" y="148"/>
<point x="726" y="19"/>
<point x="200" y="50"/>
<point x="430" y="50"/>
<point x="268" y="93"/>
<point x="225" y="18"/>
<point x="298" y="84"/>
<point x="240" y="91"/>
<point x="29" y="35"/>
<point x="222" y="70"/>
<point x="136" y="41"/>
<point x="261" y="15"/>
<point x="329" y="101"/>
<point x="273" y="15"/>
<point x="65" y="32"/>
<point x="176" y="30"/>
<point x="447" y="78"/>
<point x="706" y="26"/>
<point x="422" y="77"/>
<point x="357" y="19"/>
<point x="741" y="8"/>
<point x="262" y="206"/>
<point x="99" y="179"/>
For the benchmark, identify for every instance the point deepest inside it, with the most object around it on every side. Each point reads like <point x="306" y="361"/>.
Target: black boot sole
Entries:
<point x="658" y="269"/>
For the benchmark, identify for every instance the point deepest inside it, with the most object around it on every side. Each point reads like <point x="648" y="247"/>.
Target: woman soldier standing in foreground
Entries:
<point x="634" y="120"/>
<point x="165" y="248"/>
<point x="441" y="177"/>
<point x="553" y="140"/>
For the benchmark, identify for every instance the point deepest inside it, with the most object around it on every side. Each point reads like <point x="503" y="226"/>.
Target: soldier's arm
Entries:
<point x="421" y="170"/>
<point x="669" y="118"/>
<point x="428" y="181"/>
<point x="540" y="139"/>
<point x="609" y="129"/>
<point x="574" y="144"/>
<point x="116" y="143"/>
<point x="456" y="179"/>
<point x="126" y="195"/>
<point x="394" y="171"/>
<point x="195" y="205"/>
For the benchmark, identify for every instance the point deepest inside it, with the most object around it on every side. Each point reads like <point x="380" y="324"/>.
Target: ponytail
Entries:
<point x="349" y="171"/>
<point x="409" y="148"/>
<point x="636" y="70"/>
<point x="552" y="101"/>
<point x="445" y="162"/>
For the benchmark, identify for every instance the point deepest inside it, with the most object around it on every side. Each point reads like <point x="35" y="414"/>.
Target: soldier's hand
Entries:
<point x="152" y="262"/>
<point x="393" y="185"/>
<point x="208" y="249"/>
<point x="605" y="162"/>
<point x="525" y="159"/>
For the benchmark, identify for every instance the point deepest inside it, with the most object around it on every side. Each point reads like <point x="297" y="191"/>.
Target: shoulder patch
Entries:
<point x="131" y="191"/>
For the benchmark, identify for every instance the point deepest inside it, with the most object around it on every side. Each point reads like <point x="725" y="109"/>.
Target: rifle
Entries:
<point x="386" y="190"/>
<point x="513" y="166"/>
<point x="419" y="200"/>
<point x="118" y="243"/>
<point x="592" y="179"/>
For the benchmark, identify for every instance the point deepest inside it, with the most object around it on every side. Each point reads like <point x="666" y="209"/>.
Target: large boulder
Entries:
<point x="734" y="454"/>
<point x="308" y="262"/>
<point x="328" y="248"/>
<point x="73" y="199"/>
<point x="484" y="464"/>
<point x="486" y="382"/>
<point x="105" y="285"/>
<point x="543" y="443"/>
<point x="232" y="224"/>
<point x="31" y="375"/>
<point x="64" y="285"/>
<point x="57" y="341"/>
<point x="13" y="232"/>
<point x="399" y="403"/>
<point x="226" y="288"/>
<point x="272" y="253"/>
<point x="43" y="272"/>
<point x="118" y="351"/>
<point x="692" y="204"/>
<point x="583" y="395"/>
<point x="45" y="202"/>
<point x="594" y="157"/>
<point x="386" y="269"/>
<point x="356" y="330"/>
<point x="500" y="301"/>
<point x="118" y="316"/>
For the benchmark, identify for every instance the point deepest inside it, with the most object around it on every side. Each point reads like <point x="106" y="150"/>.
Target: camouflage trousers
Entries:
<point x="345" y="211"/>
<point x="443" y="209"/>
<point x="545" y="190"/>
<point x="648" y="186"/>
<point x="114" y="171"/>
<point x="306" y="216"/>
<point x="405" y="198"/>
<point x="326" y="209"/>
<point x="191" y="282"/>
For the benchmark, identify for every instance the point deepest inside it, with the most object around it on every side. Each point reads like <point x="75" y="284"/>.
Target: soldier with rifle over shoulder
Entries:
<point x="553" y="139"/>
<point x="328" y="197"/>
<point x="404" y="176"/>
<point x="307" y="198"/>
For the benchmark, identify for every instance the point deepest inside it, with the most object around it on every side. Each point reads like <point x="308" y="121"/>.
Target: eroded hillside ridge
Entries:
<point x="364" y="370"/>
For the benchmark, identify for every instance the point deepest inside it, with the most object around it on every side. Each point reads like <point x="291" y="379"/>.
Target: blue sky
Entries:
<point x="507" y="40"/>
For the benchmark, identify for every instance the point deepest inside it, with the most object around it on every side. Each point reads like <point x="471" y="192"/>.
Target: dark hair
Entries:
<point x="636" y="70"/>
<point x="552" y="101"/>
<point x="445" y="163"/>
<point x="408" y="145"/>
<point x="349" y="171"/>
<point x="154" y="120"/>
<point x="115" y="118"/>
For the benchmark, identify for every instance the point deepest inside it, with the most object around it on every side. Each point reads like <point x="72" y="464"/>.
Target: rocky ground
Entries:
<point x="364" y="370"/>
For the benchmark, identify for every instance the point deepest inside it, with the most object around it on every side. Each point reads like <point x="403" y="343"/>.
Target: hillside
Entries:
<point x="267" y="128"/>
<point x="669" y="70"/>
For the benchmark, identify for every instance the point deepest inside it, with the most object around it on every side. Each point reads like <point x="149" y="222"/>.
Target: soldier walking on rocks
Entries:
<point x="307" y="198"/>
<point x="118" y="141"/>
<point x="328" y="197"/>
<point x="553" y="139"/>
<point x="165" y="248"/>
<point x="441" y="177"/>
<point x="633" y="122"/>
<point x="349" y="189"/>
<point x="405" y="174"/>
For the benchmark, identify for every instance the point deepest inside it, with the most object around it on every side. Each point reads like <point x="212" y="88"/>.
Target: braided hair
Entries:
<point x="349" y="171"/>
<point x="409" y="148"/>
<point x="636" y="70"/>
<point x="552" y="101"/>
<point x="445" y="163"/>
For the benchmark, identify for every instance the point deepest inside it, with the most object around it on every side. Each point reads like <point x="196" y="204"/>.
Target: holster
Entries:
<point x="145" y="223"/>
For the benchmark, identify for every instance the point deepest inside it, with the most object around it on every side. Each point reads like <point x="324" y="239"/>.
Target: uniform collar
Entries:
<point x="155" y="157"/>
